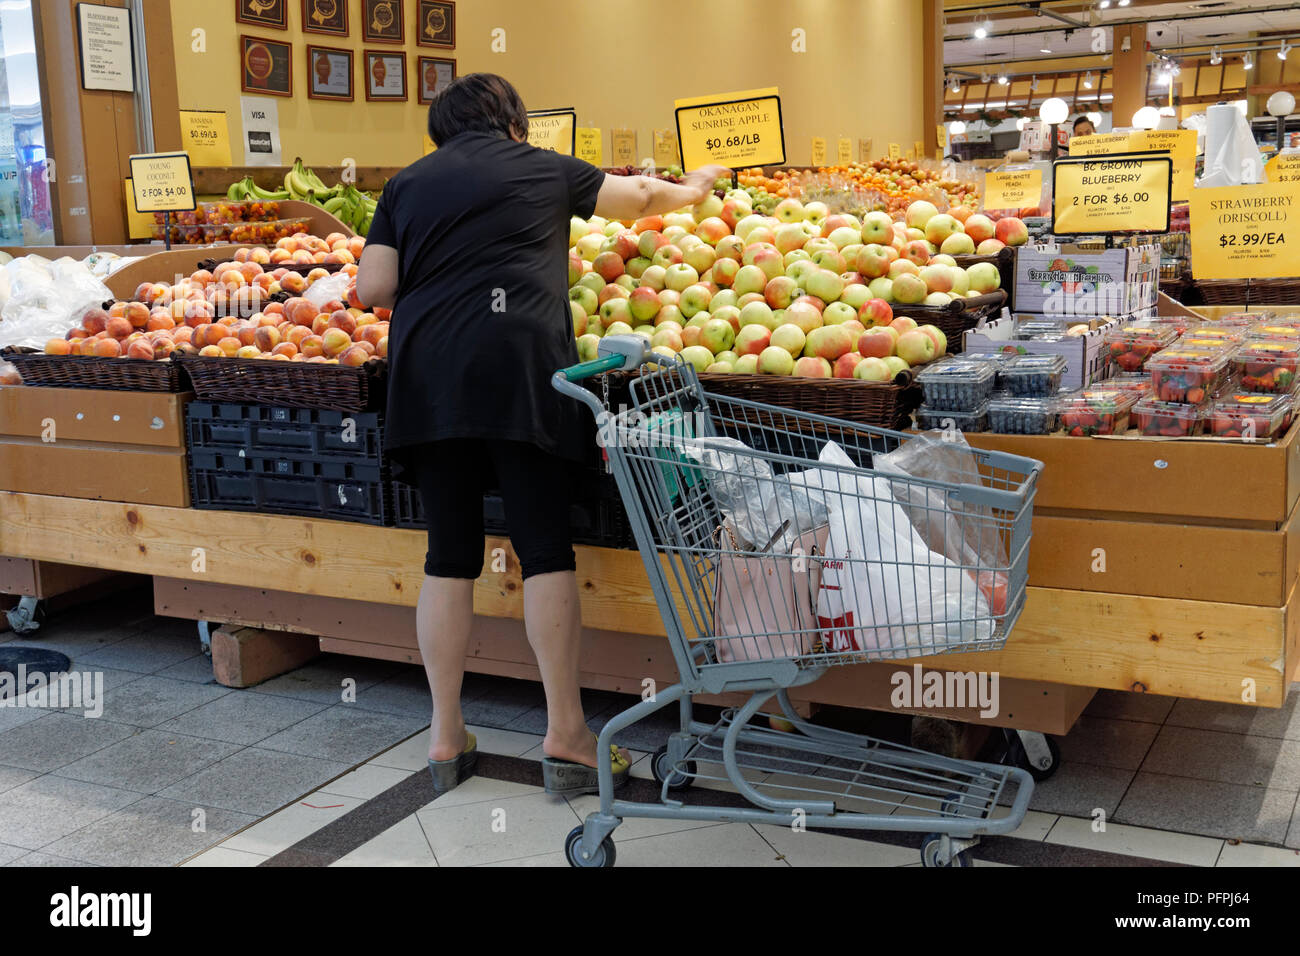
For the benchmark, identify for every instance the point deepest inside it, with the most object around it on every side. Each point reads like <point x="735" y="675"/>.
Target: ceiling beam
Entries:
<point x="1161" y="18"/>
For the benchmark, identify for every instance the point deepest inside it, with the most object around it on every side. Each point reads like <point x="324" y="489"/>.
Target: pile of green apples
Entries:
<point x="800" y="292"/>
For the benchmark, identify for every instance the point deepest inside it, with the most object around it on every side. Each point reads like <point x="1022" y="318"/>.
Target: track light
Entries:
<point x="1002" y="79"/>
<point x="1283" y="50"/>
<point x="1247" y="62"/>
<point x="982" y="30"/>
<point x="1104" y="4"/>
<point x="984" y="77"/>
<point x="1215" y="56"/>
<point x="1033" y="84"/>
<point x="1087" y="81"/>
<point x="1123" y="3"/>
<point x="955" y="85"/>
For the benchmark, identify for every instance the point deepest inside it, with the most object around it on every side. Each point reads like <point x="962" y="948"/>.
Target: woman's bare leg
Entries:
<point x="442" y="624"/>
<point x="551" y="616"/>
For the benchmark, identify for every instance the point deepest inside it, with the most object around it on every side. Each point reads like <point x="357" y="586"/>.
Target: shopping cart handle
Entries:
<point x="576" y="373"/>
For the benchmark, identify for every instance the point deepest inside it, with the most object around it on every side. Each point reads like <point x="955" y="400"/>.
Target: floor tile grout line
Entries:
<point x="781" y="856"/>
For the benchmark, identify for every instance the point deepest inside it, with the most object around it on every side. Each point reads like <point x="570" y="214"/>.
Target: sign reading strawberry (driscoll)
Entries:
<point x="731" y="129"/>
<point x="1245" y="232"/>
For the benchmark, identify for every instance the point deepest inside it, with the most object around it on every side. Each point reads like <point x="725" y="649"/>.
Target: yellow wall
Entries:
<point x="618" y="62"/>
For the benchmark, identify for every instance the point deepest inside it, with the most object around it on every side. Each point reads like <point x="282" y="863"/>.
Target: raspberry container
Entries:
<point x="1267" y="365"/>
<point x="1288" y="333"/>
<point x="959" y="385"/>
<point x="1187" y="375"/>
<point x="1037" y="327"/>
<point x="1034" y="376"/>
<point x="1128" y="348"/>
<point x="976" y="420"/>
<point x="1169" y="419"/>
<point x="1022" y="416"/>
<point x="1253" y="417"/>
<point x="1097" y="411"/>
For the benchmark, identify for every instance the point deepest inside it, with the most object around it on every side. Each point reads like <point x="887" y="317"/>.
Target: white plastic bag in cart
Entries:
<point x="882" y="589"/>
<point x="767" y="511"/>
<point x="964" y="533"/>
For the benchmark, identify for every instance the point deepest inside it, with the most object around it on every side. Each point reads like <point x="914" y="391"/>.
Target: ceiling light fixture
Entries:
<point x="982" y="30"/>
<point x="984" y="77"/>
<point x="955" y="86"/>
<point x="1094" y="119"/>
<point x="1033" y="83"/>
<point x="956" y="127"/>
<point x="1087" y="81"/>
<point x="1002" y="79"/>
<point x="1104" y="4"/>
<point x="1215" y="56"/>
<point x="1247" y="62"/>
<point x="1283" y="50"/>
<point x="1123" y="3"/>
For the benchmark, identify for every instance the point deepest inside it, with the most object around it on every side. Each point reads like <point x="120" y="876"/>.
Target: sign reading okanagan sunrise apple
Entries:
<point x="731" y="129"/>
<point x="1245" y="232"/>
<point x="555" y="130"/>
<point x="1111" y="193"/>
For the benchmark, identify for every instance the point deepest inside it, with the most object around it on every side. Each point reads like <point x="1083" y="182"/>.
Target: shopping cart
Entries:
<point x="692" y="490"/>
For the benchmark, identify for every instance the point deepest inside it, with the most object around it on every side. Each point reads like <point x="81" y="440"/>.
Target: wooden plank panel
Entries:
<point x="1233" y="565"/>
<point x="95" y="415"/>
<point x="1196" y="649"/>
<point x="1161" y="478"/>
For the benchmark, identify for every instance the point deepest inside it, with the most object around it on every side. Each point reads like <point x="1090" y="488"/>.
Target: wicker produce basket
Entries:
<point x="957" y="316"/>
<point x="88" y="371"/>
<point x="1247" y="292"/>
<point x="885" y="405"/>
<point x="341" y="388"/>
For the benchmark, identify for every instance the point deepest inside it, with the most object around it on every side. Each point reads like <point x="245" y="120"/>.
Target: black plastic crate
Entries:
<point x="315" y="497"/>
<point x="272" y="430"/>
<point x="238" y="462"/>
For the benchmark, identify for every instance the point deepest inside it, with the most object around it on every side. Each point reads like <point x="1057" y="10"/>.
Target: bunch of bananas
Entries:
<point x="343" y="201"/>
<point x="353" y="207"/>
<point x="246" y="190"/>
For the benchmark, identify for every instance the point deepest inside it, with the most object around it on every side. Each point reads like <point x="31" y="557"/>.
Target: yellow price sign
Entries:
<point x="205" y="136"/>
<point x="588" y="140"/>
<point x="819" y="151"/>
<point x="1013" y="189"/>
<point x="139" y="225"/>
<point x="1246" y="232"/>
<point x="844" y="151"/>
<point x="1102" y="194"/>
<point x="162" y="182"/>
<point x="1098" y="144"/>
<point x="918" y="148"/>
<point x="666" y="148"/>
<point x="429" y="145"/>
<point x="731" y="129"/>
<point x="1283" y="168"/>
<point x="864" y="150"/>
<point x="895" y="151"/>
<point x="555" y="130"/>
<point x="941" y="136"/>
<point x="622" y="143"/>
<point x="1180" y="144"/>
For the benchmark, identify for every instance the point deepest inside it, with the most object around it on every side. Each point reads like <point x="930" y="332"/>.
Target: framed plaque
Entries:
<point x="435" y="75"/>
<point x="266" y="66"/>
<point x="383" y="21"/>
<point x="435" y="23"/>
<point x="329" y="73"/>
<point x="385" y="75"/>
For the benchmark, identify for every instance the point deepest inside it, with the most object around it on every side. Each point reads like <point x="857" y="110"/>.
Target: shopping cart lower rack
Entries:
<point x="778" y="545"/>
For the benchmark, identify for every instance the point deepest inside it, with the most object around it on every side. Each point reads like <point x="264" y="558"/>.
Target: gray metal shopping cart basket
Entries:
<point x="720" y="489"/>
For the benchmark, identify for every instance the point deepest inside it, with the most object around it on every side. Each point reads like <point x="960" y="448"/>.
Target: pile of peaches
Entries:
<point x="229" y="312"/>
<point x="305" y="250"/>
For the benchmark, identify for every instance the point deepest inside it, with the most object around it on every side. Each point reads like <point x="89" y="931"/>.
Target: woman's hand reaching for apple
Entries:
<point x="700" y="181"/>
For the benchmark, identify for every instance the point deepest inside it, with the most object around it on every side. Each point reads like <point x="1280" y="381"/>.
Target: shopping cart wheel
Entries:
<point x="931" y="847"/>
<point x="661" y="769"/>
<point x="1041" y="766"/>
<point x="603" y="857"/>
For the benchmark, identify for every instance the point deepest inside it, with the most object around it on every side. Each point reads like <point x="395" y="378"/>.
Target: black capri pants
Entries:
<point x="536" y="488"/>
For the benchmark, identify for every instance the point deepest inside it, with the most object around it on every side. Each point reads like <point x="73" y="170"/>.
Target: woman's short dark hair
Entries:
<point x="478" y="103"/>
<point x="1080" y="120"/>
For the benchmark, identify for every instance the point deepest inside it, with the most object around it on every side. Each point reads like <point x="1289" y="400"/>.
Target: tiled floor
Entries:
<point x="326" y="766"/>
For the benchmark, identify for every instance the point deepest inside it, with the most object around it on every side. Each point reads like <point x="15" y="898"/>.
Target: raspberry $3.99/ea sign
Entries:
<point x="731" y="129"/>
<point x="162" y="182"/>
<point x="1113" y="193"/>
<point x="1246" y="232"/>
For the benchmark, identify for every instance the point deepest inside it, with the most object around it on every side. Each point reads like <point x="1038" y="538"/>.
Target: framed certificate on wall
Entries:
<point x="385" y="75"/>
<point x="383" y="21"/>
<point x="435" y="23"/>
<point x="329" y="73"/>
<point x="263" y="13"/>
<point x="435" y="75"/>
<point x="325" y="16"/>
<point x="266" y="66"/>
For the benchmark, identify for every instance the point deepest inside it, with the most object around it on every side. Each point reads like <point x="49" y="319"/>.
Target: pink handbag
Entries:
<point x="763" y="607"/>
